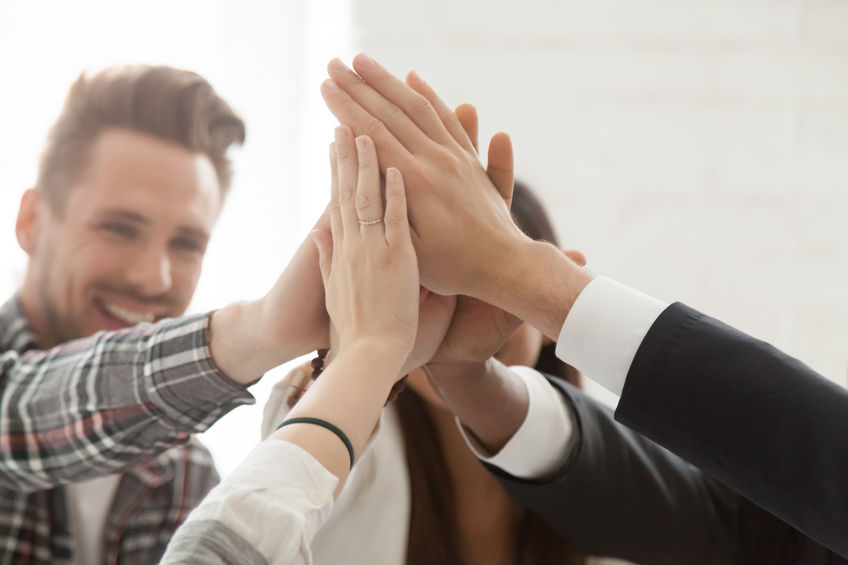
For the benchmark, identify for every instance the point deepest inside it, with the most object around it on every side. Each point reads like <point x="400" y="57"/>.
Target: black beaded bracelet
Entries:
<point x="326" y="425"/>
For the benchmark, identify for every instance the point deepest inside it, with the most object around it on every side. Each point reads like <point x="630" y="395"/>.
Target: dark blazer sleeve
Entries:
<point x="621" y="495"/>
<point x="761" y="422"/>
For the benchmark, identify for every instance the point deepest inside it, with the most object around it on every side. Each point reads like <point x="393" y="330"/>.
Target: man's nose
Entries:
<point x="150" y="271"/>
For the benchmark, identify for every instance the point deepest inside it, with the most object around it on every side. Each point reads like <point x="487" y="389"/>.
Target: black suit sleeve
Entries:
<point x="623" y="496"/>
<point x="758" y="420"/>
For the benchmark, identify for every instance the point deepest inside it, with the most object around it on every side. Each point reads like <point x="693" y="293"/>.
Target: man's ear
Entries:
<point x="28" y="224"/>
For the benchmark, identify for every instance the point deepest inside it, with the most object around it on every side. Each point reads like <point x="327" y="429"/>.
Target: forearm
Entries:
<point x="539" y="285"/>
<point x="349" y="394"/>
<point x="239" y="345"/>
<point x="97" y="405"/>
<point x="475" y="391"/>
<point x="250" y="338"/>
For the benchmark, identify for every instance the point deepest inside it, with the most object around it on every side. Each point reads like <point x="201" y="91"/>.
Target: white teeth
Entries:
<point x="128" y="316"/>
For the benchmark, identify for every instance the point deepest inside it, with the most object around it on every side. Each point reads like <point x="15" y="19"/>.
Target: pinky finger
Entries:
<point x="396" y="220"/>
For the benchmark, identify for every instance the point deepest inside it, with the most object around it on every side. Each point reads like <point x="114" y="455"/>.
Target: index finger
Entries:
<point x="377" y="83"/>
<point x="390" y="151"/>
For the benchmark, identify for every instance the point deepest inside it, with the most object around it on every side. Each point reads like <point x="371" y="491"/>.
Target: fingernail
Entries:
<point x="330" y="85"/>
<point x="363" y="61"/>
<point x="415" y="76"/>
<point x="338" y="65"/>
<point x="392" y="173"/>
<point x="361" y="143"/>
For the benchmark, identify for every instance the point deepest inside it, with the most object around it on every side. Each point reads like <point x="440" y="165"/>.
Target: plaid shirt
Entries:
<point x="123" y="401"/>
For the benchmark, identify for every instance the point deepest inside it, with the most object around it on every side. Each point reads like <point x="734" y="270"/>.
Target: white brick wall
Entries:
<point x="696" y="149"/>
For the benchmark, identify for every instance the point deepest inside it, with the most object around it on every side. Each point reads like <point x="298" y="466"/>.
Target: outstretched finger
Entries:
<point x="369" y="201"/>
<point x="391" y="152"/>
<point x="395" y="219"/>
<point x="446" y="115"/>
<point x="324" y="243"/>
<point x="467" y="116"/>
<point x="381" y="93"/>
<point x="500" y="166"/>
<point x="347" y="167"/>
<point x="335" y="211"/>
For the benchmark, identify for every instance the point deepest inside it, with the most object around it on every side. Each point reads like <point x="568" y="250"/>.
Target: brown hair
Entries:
<point x="432" y="522"/>
<point x="172" y="104"/>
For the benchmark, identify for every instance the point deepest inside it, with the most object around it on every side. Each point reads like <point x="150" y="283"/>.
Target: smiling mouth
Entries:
<point x="126" y="315"/>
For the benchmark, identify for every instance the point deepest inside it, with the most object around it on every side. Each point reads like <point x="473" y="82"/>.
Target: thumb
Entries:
<point x="324" y="242"/>
<point x="576" y="256"/>
<point x="500" y="165"/>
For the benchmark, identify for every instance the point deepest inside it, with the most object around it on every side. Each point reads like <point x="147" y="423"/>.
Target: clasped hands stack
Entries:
<point x="429" y="278"/>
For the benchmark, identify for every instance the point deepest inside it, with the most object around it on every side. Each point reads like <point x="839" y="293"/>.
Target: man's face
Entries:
<point x="128" y="245"/>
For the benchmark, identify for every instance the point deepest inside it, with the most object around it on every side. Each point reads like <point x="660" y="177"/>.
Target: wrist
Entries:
<point x="538" y="284"/>
<point x="234" y="346"/>
<point x="386" y="355"/>
<point x="470" y="370"/>
<point x="475" y="391"/>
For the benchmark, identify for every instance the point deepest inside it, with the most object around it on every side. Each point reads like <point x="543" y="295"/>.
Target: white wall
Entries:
<point x="695" y="149"/>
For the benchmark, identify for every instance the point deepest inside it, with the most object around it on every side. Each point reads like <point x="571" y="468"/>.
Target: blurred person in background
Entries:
<point x="101" y="384"/>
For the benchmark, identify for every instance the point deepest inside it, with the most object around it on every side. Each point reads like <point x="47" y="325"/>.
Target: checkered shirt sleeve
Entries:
<point x="98" y="405"/>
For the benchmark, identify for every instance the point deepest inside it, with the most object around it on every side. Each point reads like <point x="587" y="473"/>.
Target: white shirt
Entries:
<point x="88" y="507"/>
<point x="600" y="337"/>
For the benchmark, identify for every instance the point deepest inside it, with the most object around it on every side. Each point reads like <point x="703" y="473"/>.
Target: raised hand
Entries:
<point x="370" y="276"/>
<point x="368" y="266"/>
<point x="461" y="223"/>
<point x="463" y="234"/>
<point x="479" y="329"/>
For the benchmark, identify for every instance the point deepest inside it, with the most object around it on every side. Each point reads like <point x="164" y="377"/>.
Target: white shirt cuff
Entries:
<point x="604" y="329"/>
<point x="544" y="439"/>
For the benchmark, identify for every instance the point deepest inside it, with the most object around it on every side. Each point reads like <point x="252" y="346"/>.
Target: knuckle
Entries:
<point x="448" y="161"/>
<point x="373" y="128"/>
<point x="343" y="152"/>
<point x="363" y="201"/>
<point x="393" y="219"/>
<point x="345" y="194"/>
<point x="366" y="163"/>
<point x="394" y="111"/>
<point x="420" y="105"/>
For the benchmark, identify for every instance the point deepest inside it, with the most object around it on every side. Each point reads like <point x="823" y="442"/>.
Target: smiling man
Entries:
<point x="95" y="462"/>
<point x="125" y="244"/>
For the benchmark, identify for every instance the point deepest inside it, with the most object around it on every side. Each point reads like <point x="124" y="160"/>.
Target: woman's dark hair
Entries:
<point x="433" y="523"/>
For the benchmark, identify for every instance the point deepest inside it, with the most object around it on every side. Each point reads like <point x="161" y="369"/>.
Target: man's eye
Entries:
<point x="121" y="230"/>
<point x="187" y="244"/>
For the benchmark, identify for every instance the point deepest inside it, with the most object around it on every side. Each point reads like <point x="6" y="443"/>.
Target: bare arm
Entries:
<point x="250" y="338"/>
